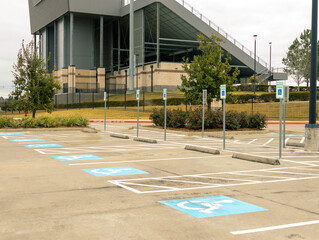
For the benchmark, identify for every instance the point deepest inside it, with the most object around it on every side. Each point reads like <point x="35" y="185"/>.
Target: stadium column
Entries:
<point x="101" y="41"/>
<point x="55" y="37"/>
<point x="158" y="32"/>
<point x="71" y="38"/>
<point x="131" y="81"/>
<point x="118" y="46"/>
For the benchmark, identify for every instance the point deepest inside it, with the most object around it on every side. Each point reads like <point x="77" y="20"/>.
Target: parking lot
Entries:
<point x="70" y="184"/>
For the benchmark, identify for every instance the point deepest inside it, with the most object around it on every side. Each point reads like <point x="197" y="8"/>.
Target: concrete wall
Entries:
<point x="168" y="75"/>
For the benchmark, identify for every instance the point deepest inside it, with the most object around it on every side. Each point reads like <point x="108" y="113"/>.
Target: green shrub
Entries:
<point x="177" y="118"/>
<point x="257" y="120"/>
<point x="232" y="121"/>
<point x="158" y="117"/>
<point x="46" y="122"/>
<point x="243" y="119"/>
<point x="267" y="97"/>
<point x="8" y="122"/>
<point x="213" y="119"/>
<point x="194" y="119"/>
<point x="28" y="122"/>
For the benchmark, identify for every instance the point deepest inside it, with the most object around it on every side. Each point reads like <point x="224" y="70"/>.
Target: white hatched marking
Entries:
<point x="303" y="140"/>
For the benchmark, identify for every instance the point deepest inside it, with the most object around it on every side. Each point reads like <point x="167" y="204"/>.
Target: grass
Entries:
<point x="295" y="111"/>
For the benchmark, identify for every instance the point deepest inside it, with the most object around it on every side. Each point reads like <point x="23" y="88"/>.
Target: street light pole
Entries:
<point x="270" y="72"/>
<point x="255" y="42"/>
<point x="252" y="104"/>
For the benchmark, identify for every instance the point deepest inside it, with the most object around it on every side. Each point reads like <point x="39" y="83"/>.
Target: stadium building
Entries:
<point x="87" y="43"/>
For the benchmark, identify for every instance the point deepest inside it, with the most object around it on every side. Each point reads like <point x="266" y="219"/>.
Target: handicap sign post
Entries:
<point x="280" y="96"/>
<point x="286" y="100"/>
<point x="165" y="111"/>
<point x="223" y="97"/>
<point x="104" y="111"/>
<point x="138" y="109"/>
<point x="203" y="118"/>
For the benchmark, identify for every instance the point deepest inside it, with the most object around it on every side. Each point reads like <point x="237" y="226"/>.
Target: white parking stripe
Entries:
<point x="270" y="140"/>
<point x="275" y="227"/>
<point x="252" y="141"/>
<point x="302" y="140"/>
<point x="148" y="160"/>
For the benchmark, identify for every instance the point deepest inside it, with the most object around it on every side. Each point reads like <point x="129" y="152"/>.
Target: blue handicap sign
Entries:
<point x="223" y="93"/>
<point x="42" y="145"/>
<point x="11" y="134"/>
<point x="279" y="92"/>
<point x="212" y="206"/>
<point x="114" y="171"/>
<point x="77" y="157"/>
<point x="27" y="140"/>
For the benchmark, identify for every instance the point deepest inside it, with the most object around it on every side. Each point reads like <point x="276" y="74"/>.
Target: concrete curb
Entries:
<point x="202" y="149"/>
<point x="218" y="136"/>
<point x="254" y="158"/>
<point x="295" y="144"/>
<point x="117" y="135"/>
<point x="147" y="140"/>
<point x="89" y="130"/>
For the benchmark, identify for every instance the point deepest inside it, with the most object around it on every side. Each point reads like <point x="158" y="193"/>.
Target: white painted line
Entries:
<point x="275" y="227"/>
<point x="270" y="140"/>
<point x="303" y="140"/>
<point x="5" y="137"/>
<point x="304" y="163"/>
<point x="236" y="141"/>
<point x="254" y="140"/>
<point x="124" y="186"/>
<point x="148" y="160"/>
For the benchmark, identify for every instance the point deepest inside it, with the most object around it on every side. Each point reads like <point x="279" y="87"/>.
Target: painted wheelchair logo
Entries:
<point x="203" y="206"/>
<point x="111" y="171"/>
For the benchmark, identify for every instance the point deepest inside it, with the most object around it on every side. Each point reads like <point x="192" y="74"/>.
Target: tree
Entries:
<point x="299" y="58"/>
<point x="34" y="85"/>
<point x="207" y="71"/>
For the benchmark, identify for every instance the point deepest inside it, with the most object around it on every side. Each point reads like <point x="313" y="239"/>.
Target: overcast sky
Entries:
<point x="276" y="21"/>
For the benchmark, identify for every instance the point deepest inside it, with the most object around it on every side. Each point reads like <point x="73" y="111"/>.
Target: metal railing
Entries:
<point x="215" y="27"/>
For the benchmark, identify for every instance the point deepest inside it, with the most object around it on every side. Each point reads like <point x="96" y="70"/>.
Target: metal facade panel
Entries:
<point x="46" y="12"/>
<point x="100" y="7"/>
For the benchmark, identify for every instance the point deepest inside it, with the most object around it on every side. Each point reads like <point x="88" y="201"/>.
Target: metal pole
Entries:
<point x="165" y="118"/>
<point x="152" y="88"/>
<point x="93" y="100"/>
<point x="255" y="38"/>
<point x="203" y="117"/>
<point x="108" y="100"/>
<point x="125" y="89"/>
<point x="138" y="115"/>
<point x="224" y="124"/>
<point x="313" y="74"/>
<point x="284" y="132"/>
<point x="143" y="101"/>
<point x="269" y="80"/>
<point x="104" y="111"/>
<point x="131" y="83"/>
<point x="79" y="100"/>
<point x="280" y="130"/>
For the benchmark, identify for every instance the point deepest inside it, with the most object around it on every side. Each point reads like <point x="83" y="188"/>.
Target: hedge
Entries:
<point x="266" y="97"/>
<point x="213" y="119"/>
<point x="44" y="122"/>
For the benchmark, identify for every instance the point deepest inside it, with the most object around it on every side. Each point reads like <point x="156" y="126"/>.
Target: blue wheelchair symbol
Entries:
<point x="279" y="92"/>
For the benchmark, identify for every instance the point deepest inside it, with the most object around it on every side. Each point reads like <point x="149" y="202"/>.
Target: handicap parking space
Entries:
<point x="95" y="183"/>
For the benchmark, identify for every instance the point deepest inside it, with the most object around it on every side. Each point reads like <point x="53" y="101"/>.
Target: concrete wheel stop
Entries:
<point x="147" y="140"/>
<point x="254" y="158"/>
<point x="202" y="149"/>
<point x="117" y="135"/>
